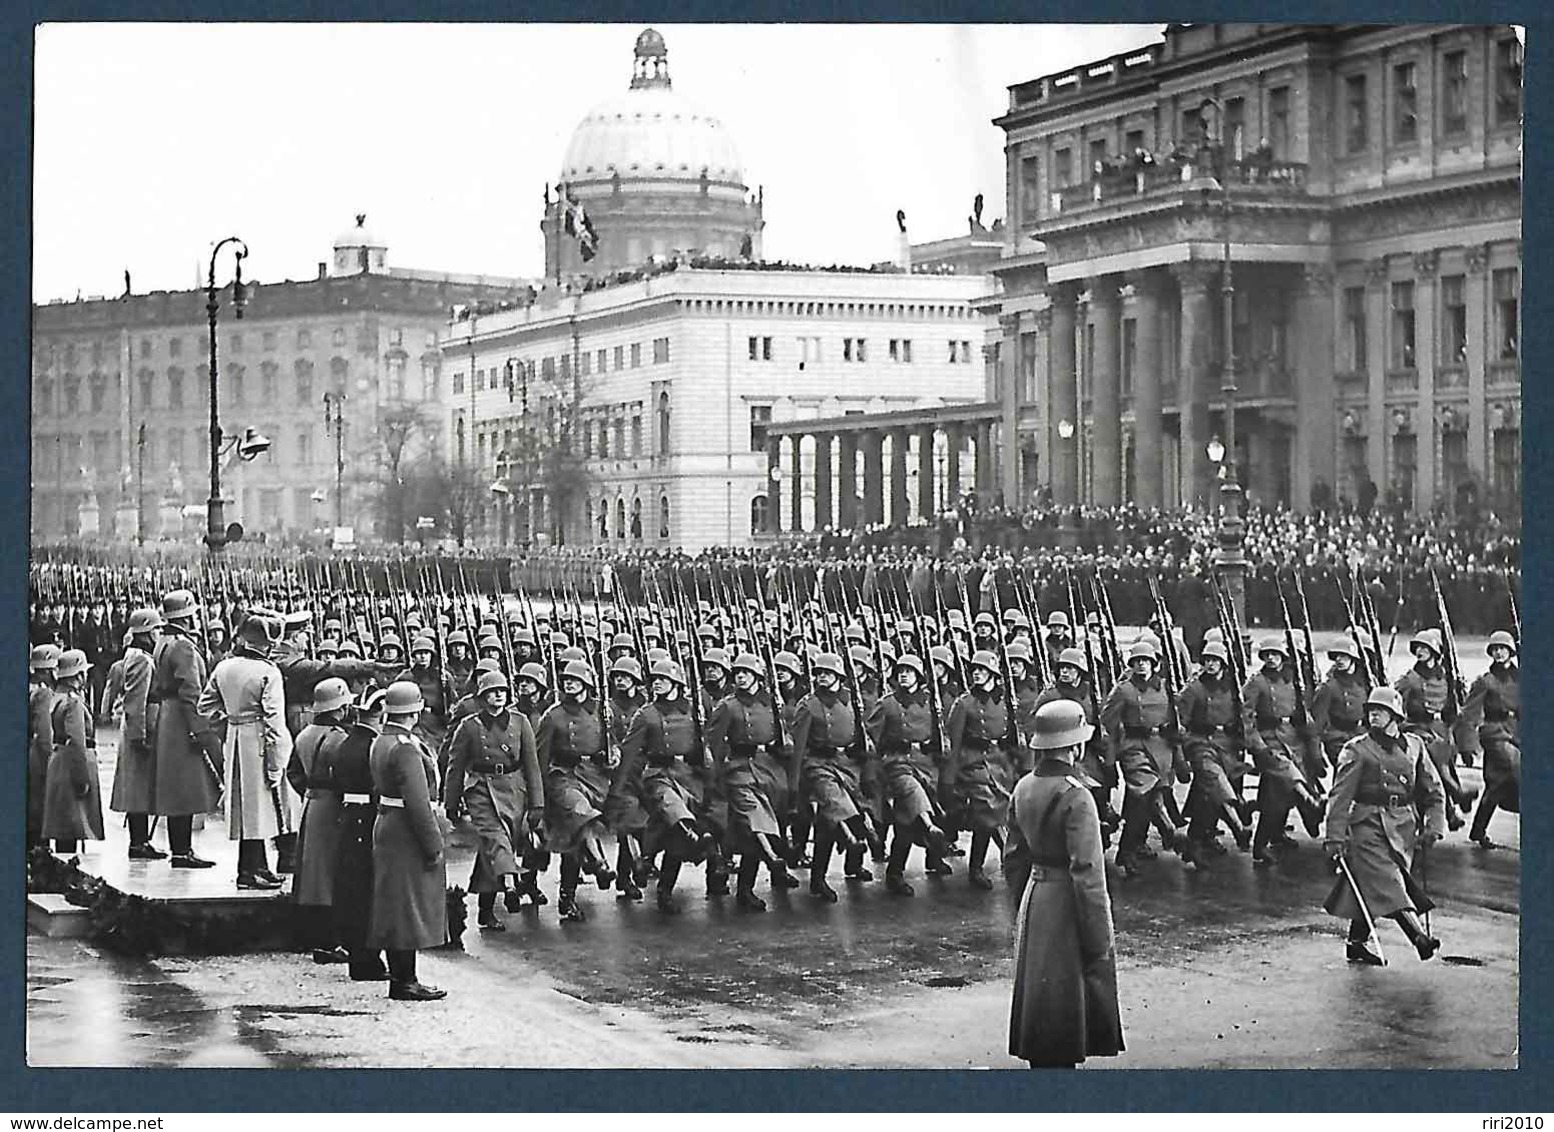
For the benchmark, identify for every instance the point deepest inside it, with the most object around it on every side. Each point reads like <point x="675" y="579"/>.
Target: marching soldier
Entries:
<point x="1339" y="702"/>
<point x="1491" y="722"/>
<point x="1059" y="637"/>
<point x="187" y="744"/>
<point x="792" y="690"/>
<point x="410" y="872"/>
<point x="741" y="734"/>
<point x="494" y="776"/>
<point x="825" y="742"/>
<point x="902" y="728"/>
<point x="461" y="664"/>
<point x="1268" y="724"/>
<point x="311" y="772"/>
<point x="42" y="663"/>
<point x="1383" y="782"/>
<point x="72" y="792"/>
<point x="1207" y="710"/>
<point x="1137" y="718"/>
<point x="1426" y="704"/>
<point x="981" y="735"/>
<point x="436" y="692"/>
<point x="134" y="775"/>
<point x="245" y="691"/>
<point x="1027" y="693"/>
<point x="623" y="809"/>
<point x="572" y="748"/>
<point x="1072" y="682"/>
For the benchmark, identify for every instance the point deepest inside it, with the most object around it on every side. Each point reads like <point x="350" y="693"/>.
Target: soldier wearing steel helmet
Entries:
<point x="1277" y="740"/>
<point x="188" y="747"/>
<point x="742" y="739"/>
<point x="795" y="814"/>
<point x="409" y="838"/>
<point x="1491" y="723"/>
<point x="903" y="730"/>
<point x="1064" y="1007"/>
<point x="826" y="738"/>
<point x="353" y="869"/>
<point x="436" y="691"/>
<point x="134" y="774"/>
<point x="1071" y="682"/>
<point x="1385" y="804"/>
<point x="1338" y="705"/>
<point x="1212" y="744"/>
<point x="42" y="663"/>
<point x="311" y="773"/>
<point x="1430" y="714"/>
<point x="72" y="792"/>
<point x="982" y="738"/>
<point x="572" y="747"/>
<point x="1027" y="694"/>
<point x="494" y="777"/>
<point x="623" y="805"/>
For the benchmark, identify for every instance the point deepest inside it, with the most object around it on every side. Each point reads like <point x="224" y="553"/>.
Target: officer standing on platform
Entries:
<point x="353" y="849"/>
<point x="42" y="663"/>
<point x="134" y="775"/>
<point x="187" y="745"/>
<point x="311" y="773"/>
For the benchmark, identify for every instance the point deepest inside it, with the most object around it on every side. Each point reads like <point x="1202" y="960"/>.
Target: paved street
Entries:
<point x="1225" y="968"/>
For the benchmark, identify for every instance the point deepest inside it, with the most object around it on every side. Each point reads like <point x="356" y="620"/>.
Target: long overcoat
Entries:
<point x="494" y="774"/>
<point x="134" y="774"/>
<point x="1065" y="981"/>
<point x="352" y="774"/>
<point x="246" y="692"/>
<point x="311" y="774"/>
<point x="410" y="874"/>
<point x="40" y="746"/>
<point x="72" y="799"/>
<point x="1491" y="722"/>
<point x="743" y="727"/>
<point x="902" y="727"/>
<point x="188" y="746"/>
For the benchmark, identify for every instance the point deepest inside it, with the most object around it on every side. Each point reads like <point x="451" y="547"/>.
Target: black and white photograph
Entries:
<point x="775" y="546"/>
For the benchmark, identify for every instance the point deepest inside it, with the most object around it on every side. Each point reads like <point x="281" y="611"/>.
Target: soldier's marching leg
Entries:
<point x="1478" y="833"/>
<point x="895" y="862"/>
<point x="771" y="854"/>
<point x="852" y="864"/>
<point x="717" y="869"/>
<point x="1135" y="828"/>
<point x="1425" y="944"/>
<point x="488" y="919"/>
<point x="1273" y="810"/>
<point x="571" y="874"/>
<point x="626" y="865"/>
<point x="745" y="897"/>
<point x="1357" y="947"/>
<point x="668" y="873"/>
<point x="798" y="837"/>
<point x="594" y="860"/>
<point x="979" y="844"/>
<point x="820" y="861"/>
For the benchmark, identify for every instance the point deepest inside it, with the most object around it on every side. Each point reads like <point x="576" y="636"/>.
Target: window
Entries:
<point x="338" y="338"/>
<point x="760" y="419"/>
<point x="1507" y="466"/>
<point x="760" y="349"/>
<point x="759" y="508"/>
<point x="620" y="438"/>
<point x="267" y="394"/>
<point x="1354" y="329"/>
<point x="174" y="447"/>
<point x="1235" y="127"/>
<point x="100" y="450"/>
<point x="588" y="443"/>
<point x="620" y="358"/>
<point x="1356" y="115"/>
<point x="660" y="351"/>
<point x="604" y="440"/>
<point x="1454" y="93"/>
<point x="1508" y="82"/>
<point x="566" y="367"/>
<point x="855" y="350"/>
<point x="1062" y="168"/>
<point x="397" y="336"/>
<point x="960" y="351"/>
<point x="148" y="449"/>
<point x="1405" y="466"/>
<point x="269" y="339"/>
<point x="1241" y="324"/>
<point x="174" y="350"/>
<point x="304" y="338"/>
<point x="1279" y="122"/>
<point x="304" y="375"/>
<point x="663" y="424"/>
<point x="1454" y="321"/>
<point x="1030" y="186"/>
<point x="663" y="516"/>
<point x="585" y="363"/>
<point x="1508" y="328"/>
<point x="1403" y="325"/>
<point x="1097" y="156"/>
<point x="175" y="388"/>
<point x="1130" y="353"/>
<point x="636" y="518"/>
<point x="636" y="434"/>
<point x="45" y="398"/>
<point x="270" y="507"/>
<point x="72" y="395"/>
<point x="1132" y="142"/>
<point x="98" y="391"/>
<point x="145" y="347"/>
<point x="458" y="382"/>
<point x="304" y="447"/>
<point x="147" y="388"/>
<point x="273" y="431"/>
<point x="604" y="360"/>
<point x="235" y="343"/>
<point x="396" y="370"/>
<point x="620" y="518"/>
<point x="636" y="355"/>
<point x="1405" y="105"/>
<point x="809" y="350"/>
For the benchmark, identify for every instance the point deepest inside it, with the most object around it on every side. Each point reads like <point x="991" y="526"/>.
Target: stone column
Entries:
<point x="1148" y="374"/>
<point x="983" y="474"/>
<point x="796" y="476"/>
<point x="847" y="481"/>
<point x="822" y="480"/>
<point x="873" y="477"/>
<point x="898" y="476"/>
<point x="1377" y="276"/>
<point x="773" y="485"/>
<point x="1482" y="349"/>
<point x="1105" y="392"/>
<point x="1424" y="367"/>
<point x="952" y="443"/>
<point x="925" y="473"/>
<point x="1065" y="396"/>
<point x="1313" y="362"/>
<point x="1195" y="376"/>
<point x="1007" y="358"/>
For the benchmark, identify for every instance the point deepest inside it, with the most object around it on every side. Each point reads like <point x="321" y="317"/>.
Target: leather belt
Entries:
<point x="1501" y="716"/>
<point x="357" y="799"/>
<point x="975" y="744"/>
<point x="826" y="751"/>
<point x="1391" y="801"/>
<point x="318" y="792"/>
<point x="492" y="768"/>
<point x="1210" y="732"/>
<point x="747" y="750"/>
<point x="392" y="803"/>
<point x="1140" y="732"/>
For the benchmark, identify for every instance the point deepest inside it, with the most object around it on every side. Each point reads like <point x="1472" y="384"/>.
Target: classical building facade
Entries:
<point x="120" y="397"/>
<point x="1368" y="192"/>
<point x="706" y="407"/>
<point x="655" y="175"/>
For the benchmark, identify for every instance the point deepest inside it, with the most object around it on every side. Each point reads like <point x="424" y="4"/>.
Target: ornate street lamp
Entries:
<point x="217" y="534"/>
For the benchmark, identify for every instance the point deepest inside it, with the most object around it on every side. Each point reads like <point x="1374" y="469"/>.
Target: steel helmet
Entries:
<point x="623" y="641"/>
<point x="331" y="647"/>
<point x="941" y="654"/>
<point x="458" y="637"/>
<point x="955" y="618"/>
<point x="578" y="670"/>
<point x="715" y="656"/>
<point x="788" y="660"/>
<point x="1389" y="698"/>
<point x="1214" y="650"/>
<point x="1059" y="724"/>
<point x="491" y="681"/>
<point x="1020" y="651"/>
<point x="44" y="658"/>
<point x="144" y="620"/>
<point x="330" y="694"/>
<point x="1057" y="619"/>
<point x="1430" y="639"/>
<point x="535" y="672"/>
<point x="1143" y="648"/>
<point x="669" y="670"/>
<point x="628" y="666"/>
<point x="656" y="655"/>
<point x="913" y="662"/>
<point x="488" y="664"/>
<point x="1503" y="639"/>
<point x="984" y="618"/>
<point x="1009" y="615"/>
<point x="560" y="641"/>
<point x="423" y="644"/>
<point x="707" y="631"/>
<point x="829" y="662"/>
<point x="1213" y="633"/>
<point x="749" y="662"/>
<point x="856" y="632"/>
<point x="1074" y="658"/>
<point x="523" y="635"/>
<point x="985" y="659"/>
<point x="567" y="656"/>
<point x="1016" y="619"/>
<point x="72" y="662"/>
<point x="403" y="698"/>
<point x="1271" y="644"/>
<point x="1344" y="647"/>
<point x="179" y="605"/>
<point x="861" y="657"/>
<point x="391" y="641"/>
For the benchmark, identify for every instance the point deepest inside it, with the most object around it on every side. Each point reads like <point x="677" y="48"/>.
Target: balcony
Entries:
<point x="1252" y="178"/>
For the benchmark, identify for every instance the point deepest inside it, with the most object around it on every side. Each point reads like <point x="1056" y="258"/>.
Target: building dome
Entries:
<point x="650" y="132"/>
<point x="357" y="250"/>
<point x="359" y="235"/>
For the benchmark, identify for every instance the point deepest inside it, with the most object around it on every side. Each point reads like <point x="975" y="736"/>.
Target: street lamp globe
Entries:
<point x="1216" y="451"/>
<point x="1066" y="429"/>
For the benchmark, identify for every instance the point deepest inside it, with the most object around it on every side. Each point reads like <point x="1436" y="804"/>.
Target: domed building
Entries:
<point x="655" y="175"/>
<point x="357" y="251"/>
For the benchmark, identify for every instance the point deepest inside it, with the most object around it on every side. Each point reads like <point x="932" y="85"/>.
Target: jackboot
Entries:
<point x="1425" y="945"/>
<point x="852" y="867"/>
<point x="820" y="862"/>
<point x="668" y="873"/>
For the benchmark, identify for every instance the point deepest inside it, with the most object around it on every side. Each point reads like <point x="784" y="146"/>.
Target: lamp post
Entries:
<point x="215" y="525"/>
<point x="1230" y="560"/>
<point x="140" y="485"/>
<point x="334" y="418"/>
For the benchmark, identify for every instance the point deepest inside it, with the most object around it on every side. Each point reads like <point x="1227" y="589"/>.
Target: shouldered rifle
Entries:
<point x="1455" y="683"/>
<point x="1296" y="668"/>
<point x="1169" y="662"/>
<point x="1305" y="622"/>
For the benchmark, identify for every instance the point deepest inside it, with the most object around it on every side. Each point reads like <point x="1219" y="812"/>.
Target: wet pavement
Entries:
<point x="1227" y="967"/>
